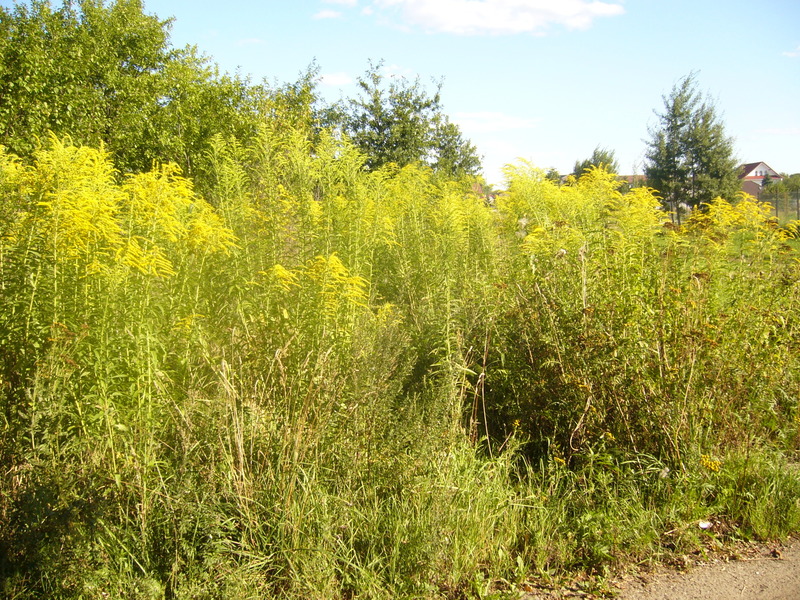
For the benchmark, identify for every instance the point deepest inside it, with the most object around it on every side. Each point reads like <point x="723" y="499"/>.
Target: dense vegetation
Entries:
<point x="345" y="383"/>
<point x="300" y="374"/>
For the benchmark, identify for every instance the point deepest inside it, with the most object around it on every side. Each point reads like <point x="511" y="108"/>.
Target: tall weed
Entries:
<point x="333" y="383"/>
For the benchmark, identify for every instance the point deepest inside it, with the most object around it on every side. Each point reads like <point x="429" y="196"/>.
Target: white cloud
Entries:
<point x="471" y="17"/>
<point x="491" y="122"/>
<point x="327" y="14"/>
<point x="792" y="53"/>
<point x="336" y="79"/>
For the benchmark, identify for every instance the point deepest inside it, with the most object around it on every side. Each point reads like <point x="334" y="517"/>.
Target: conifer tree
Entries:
<point x="601" y="157"/>
<point x="689" y="158"/>
<point x="400" y="122"/>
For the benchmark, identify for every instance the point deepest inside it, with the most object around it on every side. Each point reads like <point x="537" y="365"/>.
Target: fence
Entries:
<point x="785" y="204"/>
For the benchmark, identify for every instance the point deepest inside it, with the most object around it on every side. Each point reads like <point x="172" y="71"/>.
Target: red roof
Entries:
<point x="749" y="167"/>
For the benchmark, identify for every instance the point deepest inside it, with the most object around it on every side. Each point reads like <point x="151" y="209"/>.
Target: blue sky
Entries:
<point x="543" y="80"/>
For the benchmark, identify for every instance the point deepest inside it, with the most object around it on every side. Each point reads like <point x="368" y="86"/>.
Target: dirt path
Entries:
<point x="767" y="575"/>
<point x="758" y="573"/>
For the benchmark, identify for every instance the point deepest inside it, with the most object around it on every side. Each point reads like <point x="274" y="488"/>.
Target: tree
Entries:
<point x="453" y="155"/>
<point x="83" y="69"/>
<point x="553" y="175"/>
<point x="600" y="158"/>
<point x="689" y="157"/>
<point x="402" y="123"/>
<point x="106" y="73"/>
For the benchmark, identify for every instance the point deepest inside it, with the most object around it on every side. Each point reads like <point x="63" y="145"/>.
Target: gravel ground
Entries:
<point x="757" y="573"/>
<point x="770" y="573"/>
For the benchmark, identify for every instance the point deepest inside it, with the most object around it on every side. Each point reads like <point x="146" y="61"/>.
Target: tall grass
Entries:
<point x="332" y="383"/>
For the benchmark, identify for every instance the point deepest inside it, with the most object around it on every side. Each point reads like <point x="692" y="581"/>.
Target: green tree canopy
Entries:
<point x="104" y="72"/>
<point x="453" y="155"/>
<point x="394" y="120"/>
<point x="689" y="157"/>
<point x="107" y="73"/>
<point x="601" y="158"/>
<point x="792" y="182"/>
<point x="553" y="175"/>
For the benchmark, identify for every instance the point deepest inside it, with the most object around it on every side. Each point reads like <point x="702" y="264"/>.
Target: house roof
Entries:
<point x="747" y="168"/>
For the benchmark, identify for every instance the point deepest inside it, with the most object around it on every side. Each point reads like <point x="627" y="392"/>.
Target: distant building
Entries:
<point x="752" y="175"/>
<point x="633" y="180"/>
<point x="486" y="191"/>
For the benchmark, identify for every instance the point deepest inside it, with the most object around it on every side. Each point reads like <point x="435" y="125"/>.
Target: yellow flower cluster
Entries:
<point x="709" y="463"/>
<point x="336" y="283"/>
<point x="283" y="277"/>
<point x="721" y="219"/>
<point x="70" y="200"/>
<point x="77" y="203"/>
<point x="161" y="204"/>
